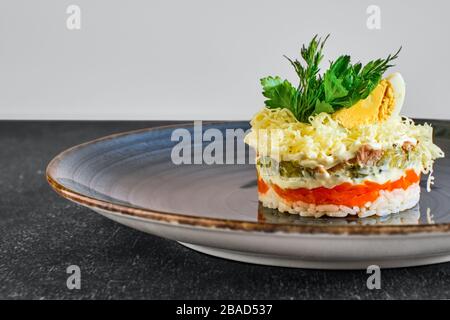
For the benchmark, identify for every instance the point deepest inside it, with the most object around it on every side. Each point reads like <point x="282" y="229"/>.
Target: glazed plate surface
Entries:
<point x="213" y="208"/>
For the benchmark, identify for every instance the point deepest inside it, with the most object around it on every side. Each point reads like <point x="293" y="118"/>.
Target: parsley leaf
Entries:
<point x="322" y="106"/>
<point x="345" y="84"/>
<point x="280" y="93"/>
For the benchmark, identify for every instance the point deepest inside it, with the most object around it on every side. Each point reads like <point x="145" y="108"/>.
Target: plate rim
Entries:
<point x="218" y="223"/>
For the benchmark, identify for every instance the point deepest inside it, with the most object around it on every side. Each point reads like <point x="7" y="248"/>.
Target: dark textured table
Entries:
<point x="42" y="234"/>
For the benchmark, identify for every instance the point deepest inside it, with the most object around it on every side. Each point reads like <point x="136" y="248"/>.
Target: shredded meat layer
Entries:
<point x="367" y="156"/>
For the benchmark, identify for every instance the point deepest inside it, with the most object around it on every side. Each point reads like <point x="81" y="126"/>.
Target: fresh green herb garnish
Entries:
<point x="341" y="86"/>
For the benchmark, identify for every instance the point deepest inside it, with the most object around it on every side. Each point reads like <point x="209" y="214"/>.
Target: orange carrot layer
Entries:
<point x="262" y="186"/>
<point x="345" y="194"/>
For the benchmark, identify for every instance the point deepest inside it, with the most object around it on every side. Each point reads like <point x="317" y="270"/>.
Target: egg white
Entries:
<point x="399" y="88"/>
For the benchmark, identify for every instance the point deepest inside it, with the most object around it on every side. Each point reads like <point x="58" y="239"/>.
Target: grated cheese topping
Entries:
<point x="325" y="142"/>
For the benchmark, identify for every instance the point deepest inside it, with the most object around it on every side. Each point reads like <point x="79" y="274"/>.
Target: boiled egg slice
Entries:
<point x="382" y="103"/>
<point x="399" y="90"/>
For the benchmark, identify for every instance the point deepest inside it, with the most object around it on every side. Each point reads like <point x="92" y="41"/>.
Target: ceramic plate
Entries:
<point x="131" y="178"/>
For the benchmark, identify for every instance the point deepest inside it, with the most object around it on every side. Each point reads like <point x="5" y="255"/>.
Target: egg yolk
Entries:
<point x="377" y="107"/>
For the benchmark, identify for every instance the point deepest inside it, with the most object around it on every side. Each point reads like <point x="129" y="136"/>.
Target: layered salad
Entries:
<point x="335" y="144"/>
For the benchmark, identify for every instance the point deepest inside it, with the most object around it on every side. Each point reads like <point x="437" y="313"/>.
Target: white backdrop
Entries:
<point x="201" y="59"/>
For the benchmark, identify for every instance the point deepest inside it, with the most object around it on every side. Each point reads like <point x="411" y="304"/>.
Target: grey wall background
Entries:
<point x="200" y="59"/>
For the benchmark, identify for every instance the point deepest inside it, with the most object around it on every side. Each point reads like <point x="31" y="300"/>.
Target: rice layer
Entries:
<point x="388" y="202"/>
